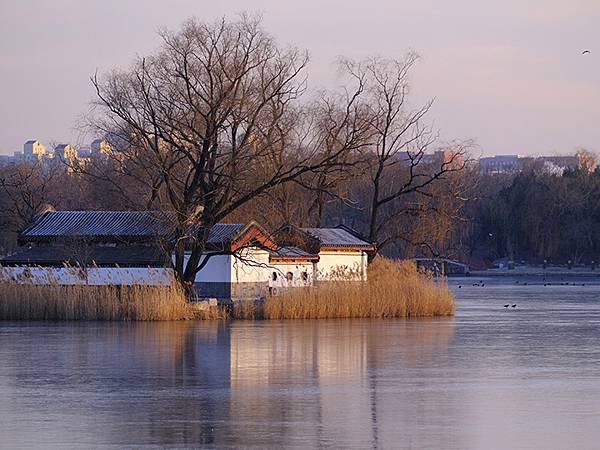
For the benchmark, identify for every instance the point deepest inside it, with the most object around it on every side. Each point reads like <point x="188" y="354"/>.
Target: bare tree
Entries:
<point x="400" y="169"/>
<point x="27" y="190"/>
<point x="213" y="120"/>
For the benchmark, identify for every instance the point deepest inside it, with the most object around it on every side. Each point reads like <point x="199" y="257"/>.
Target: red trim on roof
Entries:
<point x="253" y="232"/>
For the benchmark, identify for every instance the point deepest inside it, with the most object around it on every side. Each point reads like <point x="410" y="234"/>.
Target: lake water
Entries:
<point x="523" y="377"/>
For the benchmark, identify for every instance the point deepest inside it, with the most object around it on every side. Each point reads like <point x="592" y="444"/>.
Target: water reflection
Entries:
<point x="304" y="383"/>
<point x="317" y="382"/>
<point x="485" y="379"/>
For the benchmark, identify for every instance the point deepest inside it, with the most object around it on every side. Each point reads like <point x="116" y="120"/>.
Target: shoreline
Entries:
<point x="533" y="272"/>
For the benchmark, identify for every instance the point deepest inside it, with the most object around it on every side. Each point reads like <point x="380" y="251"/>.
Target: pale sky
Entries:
<point x="509" y="74"/>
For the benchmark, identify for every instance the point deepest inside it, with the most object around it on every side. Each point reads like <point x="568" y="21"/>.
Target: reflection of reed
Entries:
<point x="410" y="342"/>
<point x="334" y="362"/>
<point x="111" y="375"/>
<point x="280" y="351"/>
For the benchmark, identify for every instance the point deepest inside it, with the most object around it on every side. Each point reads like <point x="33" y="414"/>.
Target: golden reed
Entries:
<point x="86" y="302"/>
<point x="393" y="289"/>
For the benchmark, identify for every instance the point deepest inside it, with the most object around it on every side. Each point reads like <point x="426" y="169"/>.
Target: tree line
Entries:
<point x="537" y="216"/>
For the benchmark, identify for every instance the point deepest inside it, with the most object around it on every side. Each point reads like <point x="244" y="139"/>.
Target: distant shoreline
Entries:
<point x="552" y="272"/>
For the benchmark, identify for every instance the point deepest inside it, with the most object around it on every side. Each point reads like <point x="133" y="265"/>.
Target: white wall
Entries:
<point x="220" y="269"/>
<point x="93" y="276"/>
<point x="226" y="268"/>
<point x="352" y="265"/>
<point x="252" y="266"/>
<point x="282" y="268"/>
<point x="216" y="270"/>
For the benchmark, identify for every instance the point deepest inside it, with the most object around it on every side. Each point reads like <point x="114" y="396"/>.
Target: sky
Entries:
<point x="509" y="74"/>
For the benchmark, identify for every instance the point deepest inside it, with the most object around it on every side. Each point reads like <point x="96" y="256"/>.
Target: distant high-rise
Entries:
<point x="100" y="147"/>
<point x="34" y="150"/>
<point x="66" y="152"/>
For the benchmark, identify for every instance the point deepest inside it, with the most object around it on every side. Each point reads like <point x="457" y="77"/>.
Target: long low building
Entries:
<point x="129" y="247"/>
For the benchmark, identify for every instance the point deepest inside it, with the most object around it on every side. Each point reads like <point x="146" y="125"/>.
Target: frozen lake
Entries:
<point x="523" y="377"/>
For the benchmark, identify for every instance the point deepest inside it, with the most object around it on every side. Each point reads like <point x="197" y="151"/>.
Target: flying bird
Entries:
<point x="585" y="52"/>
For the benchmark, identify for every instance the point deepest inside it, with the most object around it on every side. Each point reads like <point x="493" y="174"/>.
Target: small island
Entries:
<point x="114" y="265"/>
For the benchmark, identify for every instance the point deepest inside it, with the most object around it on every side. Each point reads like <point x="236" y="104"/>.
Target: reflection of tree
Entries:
<point x="133" y="383"/>
<point x="302" y="383"/>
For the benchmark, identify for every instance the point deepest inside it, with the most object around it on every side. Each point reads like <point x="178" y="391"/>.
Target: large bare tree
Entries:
<point x="212" y="120"/>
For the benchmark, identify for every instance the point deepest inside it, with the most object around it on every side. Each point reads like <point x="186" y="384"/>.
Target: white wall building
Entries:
<point x="342" y="254"/>
<point x="123" y="247"/>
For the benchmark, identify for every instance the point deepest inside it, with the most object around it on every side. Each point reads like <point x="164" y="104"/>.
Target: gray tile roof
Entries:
<point x="131" y="255"/>
<point x="338" y="238"/>
<point x="223" y="233"/>
<point x="115" y="226"/>
<point x="112" y="225"/>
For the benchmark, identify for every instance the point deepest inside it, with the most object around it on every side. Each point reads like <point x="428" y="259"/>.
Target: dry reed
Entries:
<point x="393" y="289"/>
<point x="87" y="302"/>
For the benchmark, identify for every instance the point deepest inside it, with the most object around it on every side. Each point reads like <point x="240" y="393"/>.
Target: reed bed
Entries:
<point x="88" y="302"/>
<point x="393" y="289"/>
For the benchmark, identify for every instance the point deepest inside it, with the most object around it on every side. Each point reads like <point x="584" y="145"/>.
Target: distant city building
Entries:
<point x="451" y="158"/>
<point x="507" y="164"/>
<point x="114" y="147"/>
<point x="34" y="151"/>
<point x="500" y="164"/>
<point x="65" y="152"/>
<point x="100" y="147"/>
